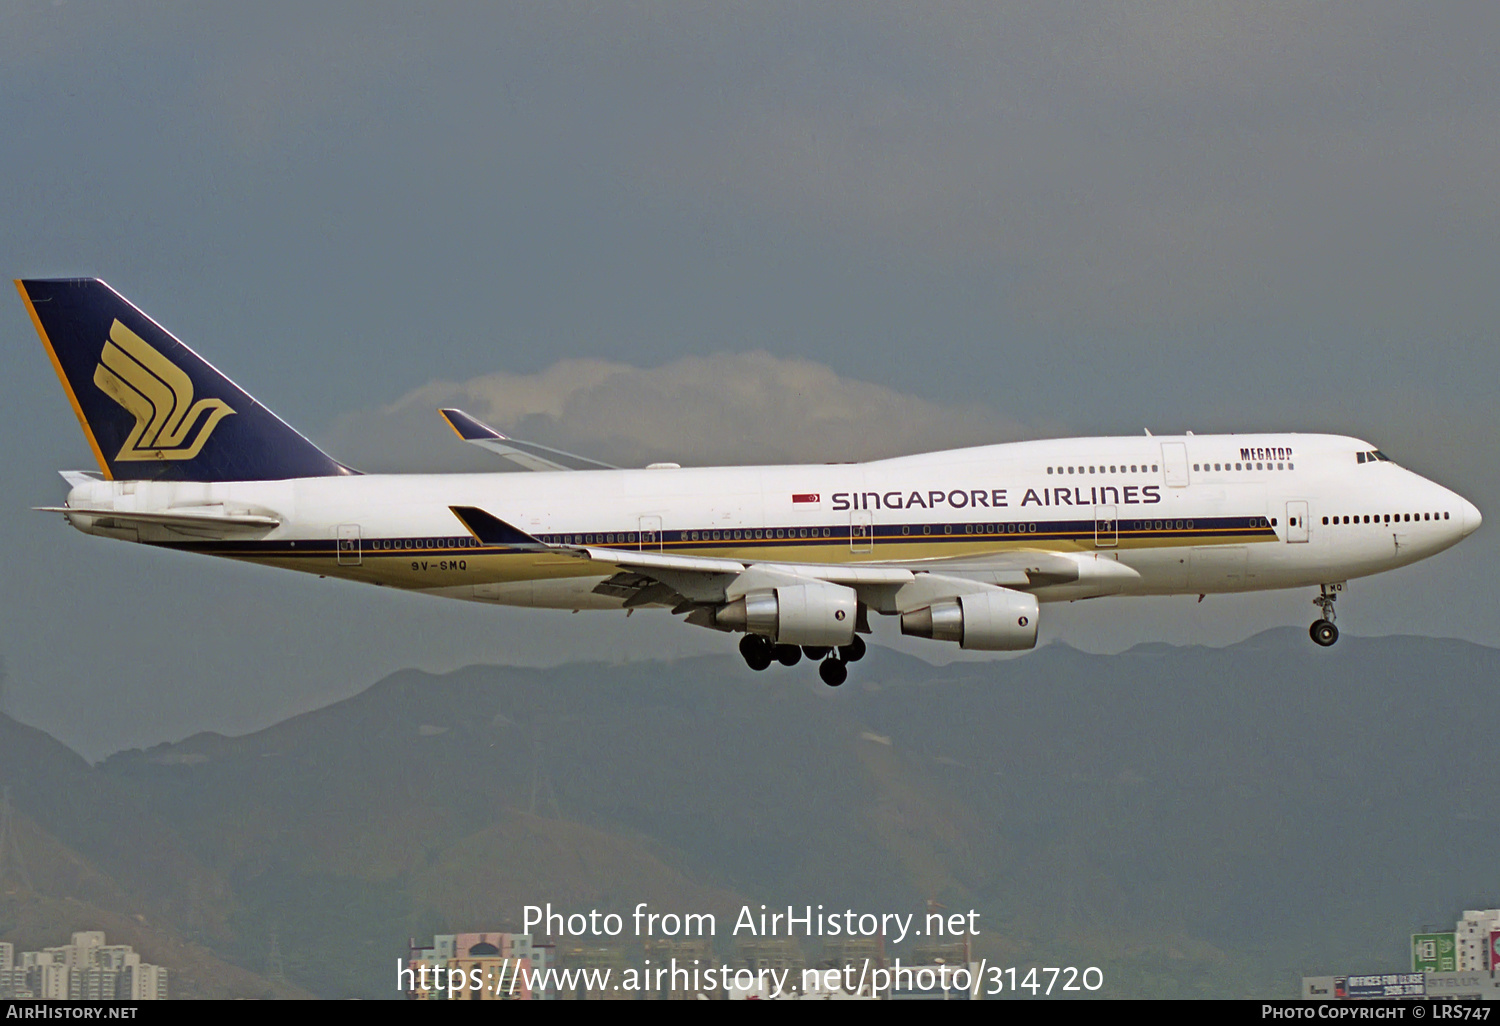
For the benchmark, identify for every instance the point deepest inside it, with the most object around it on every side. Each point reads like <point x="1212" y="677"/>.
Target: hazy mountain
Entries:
<point x="1198" y="821"/>
<point x="139" y="883"/>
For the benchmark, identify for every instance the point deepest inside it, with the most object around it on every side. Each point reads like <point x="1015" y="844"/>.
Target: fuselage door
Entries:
<point x="861" y="531"/>
<point x="1296" y="521"/>
<point x="651" y="533"/>
<point x="1106" y="527"/>
<point x="349" y="550"/>
<point x="1174" y="463"/>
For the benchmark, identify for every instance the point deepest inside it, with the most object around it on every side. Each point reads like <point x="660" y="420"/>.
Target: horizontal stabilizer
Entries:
<point x="185" y="519"/>
<point x="491" y="530"/>
<point x="528" y="455"/>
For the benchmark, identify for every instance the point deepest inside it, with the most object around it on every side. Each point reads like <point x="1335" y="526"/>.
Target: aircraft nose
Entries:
<point x="1471" y="518"/>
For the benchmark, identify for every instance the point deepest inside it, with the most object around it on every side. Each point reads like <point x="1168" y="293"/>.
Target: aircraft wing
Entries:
<point x="528" y="455"/>
<point x="648" y="577"/>
<point x="684" y="583"/>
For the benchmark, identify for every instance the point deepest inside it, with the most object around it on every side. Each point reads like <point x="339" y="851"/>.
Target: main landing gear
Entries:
<point x="1323" y="632"/>
<point x="760" y="652"/>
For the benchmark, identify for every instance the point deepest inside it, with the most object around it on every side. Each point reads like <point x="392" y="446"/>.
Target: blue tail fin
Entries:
<point x="150" y="406"/>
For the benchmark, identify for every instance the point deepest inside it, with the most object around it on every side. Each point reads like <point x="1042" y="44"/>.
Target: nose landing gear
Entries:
<point x="1323" y="632"/>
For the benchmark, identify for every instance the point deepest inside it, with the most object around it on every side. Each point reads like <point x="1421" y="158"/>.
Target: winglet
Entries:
<point x="466" y="427"/>
<point x="491" y="530"/>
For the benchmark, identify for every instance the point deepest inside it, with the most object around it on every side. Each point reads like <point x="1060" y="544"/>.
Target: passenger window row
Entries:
<point x="1399" y="518"/>
<point x="1208" y="467"/>
<point x="1113" y="468"/>
<point x="906" y="529"/>
<point x="413" y="543"/>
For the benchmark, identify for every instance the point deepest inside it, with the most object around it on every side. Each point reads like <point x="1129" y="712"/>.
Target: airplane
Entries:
<point x="962" y="546"/>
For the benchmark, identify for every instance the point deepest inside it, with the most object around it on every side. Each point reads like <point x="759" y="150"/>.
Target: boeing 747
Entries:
<point x="962" y="546"/>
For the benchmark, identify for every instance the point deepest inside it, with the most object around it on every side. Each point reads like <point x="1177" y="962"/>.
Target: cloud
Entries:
<point x="728" y="408"/>
<point x="1154" y="168"/>
<point x="1142" y="168"/>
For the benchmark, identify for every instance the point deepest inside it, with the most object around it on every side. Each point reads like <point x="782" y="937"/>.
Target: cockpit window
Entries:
<point x="1373" y="456"/>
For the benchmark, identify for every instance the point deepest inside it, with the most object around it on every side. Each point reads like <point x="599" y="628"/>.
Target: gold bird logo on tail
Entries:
<point x="159" y="394"/>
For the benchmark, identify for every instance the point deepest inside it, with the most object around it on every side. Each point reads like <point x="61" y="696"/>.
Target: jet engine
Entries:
<point x="995" y="620"/>
<point x="814" y="614"/>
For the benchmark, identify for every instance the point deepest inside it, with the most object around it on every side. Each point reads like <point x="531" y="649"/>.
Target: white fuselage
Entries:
<point x="1183" y="514"/>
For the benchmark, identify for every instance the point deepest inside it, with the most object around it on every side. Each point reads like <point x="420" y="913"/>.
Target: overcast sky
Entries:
<point x="684" y="231"/>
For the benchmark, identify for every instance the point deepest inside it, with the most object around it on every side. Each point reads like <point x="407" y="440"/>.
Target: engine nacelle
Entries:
<point x="814" y="614"/>
<point x="997" y="620"/>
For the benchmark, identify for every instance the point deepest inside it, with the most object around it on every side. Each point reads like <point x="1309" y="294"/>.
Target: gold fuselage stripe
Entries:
<point x="438" y="564"/>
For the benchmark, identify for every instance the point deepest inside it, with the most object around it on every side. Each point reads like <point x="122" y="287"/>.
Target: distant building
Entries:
<point x="1322" y="988"/>
<point x="90" y="983"/>
<point x="1475" y="934"/>
<point x="51" y="982"/>
<point x="423" y="965"/>
<point x="478" y="967"/>
<point x="777" y="954"/>
<point x="765" y="957"/>
<point x="1468" y="986"/>
<point x="13" y="984"/>
<point x="933" y="982"/>
<point x="144" y="982"/>
<point x="590" y="957"/>
<point x="1464" y="963"/>
<point x="85" y="969"/>
<point x="842" y="951"/>
<point x="686" y="954"/>
<point x="939" y="952"/>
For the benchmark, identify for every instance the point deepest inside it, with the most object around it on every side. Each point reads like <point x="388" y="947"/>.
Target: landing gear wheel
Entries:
<point x="787" y="655"/>
<point x="756" y="650"/>
<point x="1323" y="632"/>
<point x="834" y="671"/>
<point x="854" y="651"/>
<point x="815" y="651"/>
